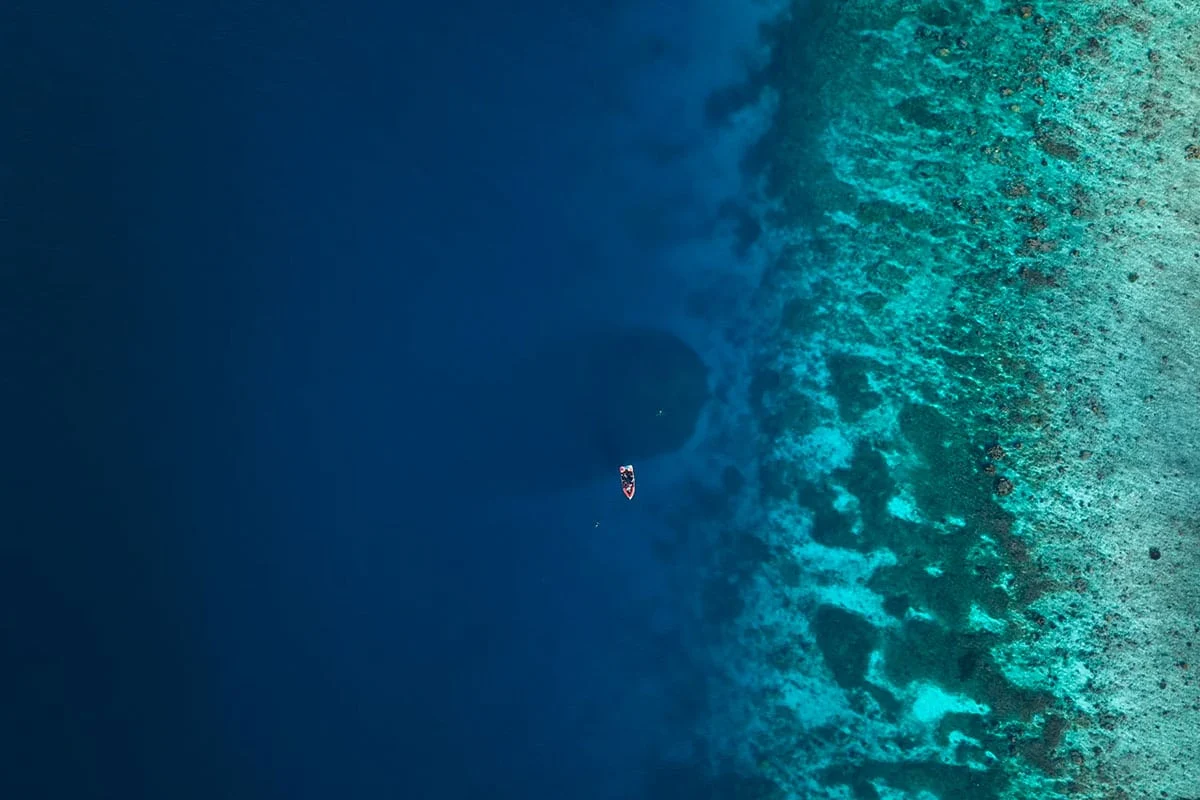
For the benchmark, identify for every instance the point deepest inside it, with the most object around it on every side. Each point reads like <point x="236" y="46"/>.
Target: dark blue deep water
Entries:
<point x="314" y="323"/>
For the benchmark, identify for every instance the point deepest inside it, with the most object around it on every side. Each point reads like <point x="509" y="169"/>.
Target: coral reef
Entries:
<point x="986" y="228"/>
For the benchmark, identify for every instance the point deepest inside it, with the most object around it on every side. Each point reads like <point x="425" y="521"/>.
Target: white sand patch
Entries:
<point x="858" y="599"/>
<point x="902" y="506"/>
<point x="979" y="620"/>
<point x="931" y="703"/>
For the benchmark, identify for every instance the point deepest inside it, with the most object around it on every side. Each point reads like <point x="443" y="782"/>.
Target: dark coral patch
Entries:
<point x="919" y="111"/>
<point x="830" y="527"/>
<point x="869" y="480"/>
<point x="896" y="605"/>
<point x="851" y="385"/>
<point x="924" y="650"/>
<point x="846" y="641"/>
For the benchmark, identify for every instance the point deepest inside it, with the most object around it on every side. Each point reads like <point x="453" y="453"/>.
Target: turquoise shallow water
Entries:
<point x="973" y="569"/>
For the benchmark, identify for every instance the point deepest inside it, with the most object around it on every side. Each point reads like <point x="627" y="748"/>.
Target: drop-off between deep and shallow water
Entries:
<point x="975" y="394"/>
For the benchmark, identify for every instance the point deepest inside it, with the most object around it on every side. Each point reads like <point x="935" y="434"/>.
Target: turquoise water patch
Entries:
<point x="887" y="215"/>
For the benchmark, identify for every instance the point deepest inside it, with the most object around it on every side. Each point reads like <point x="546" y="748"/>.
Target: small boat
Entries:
<point x="628" y="483"/>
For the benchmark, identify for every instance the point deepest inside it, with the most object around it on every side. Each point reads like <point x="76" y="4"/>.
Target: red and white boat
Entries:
<point x="628" y="482"/>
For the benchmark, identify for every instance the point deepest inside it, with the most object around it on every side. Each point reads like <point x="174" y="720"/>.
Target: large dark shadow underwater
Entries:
<point x="570" y="413"/>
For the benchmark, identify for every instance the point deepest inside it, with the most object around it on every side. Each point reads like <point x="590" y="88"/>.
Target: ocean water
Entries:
<point x="327" y="327"/>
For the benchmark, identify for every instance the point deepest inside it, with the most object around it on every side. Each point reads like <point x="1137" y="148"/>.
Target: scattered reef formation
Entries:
<point x="979" y="569"/>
